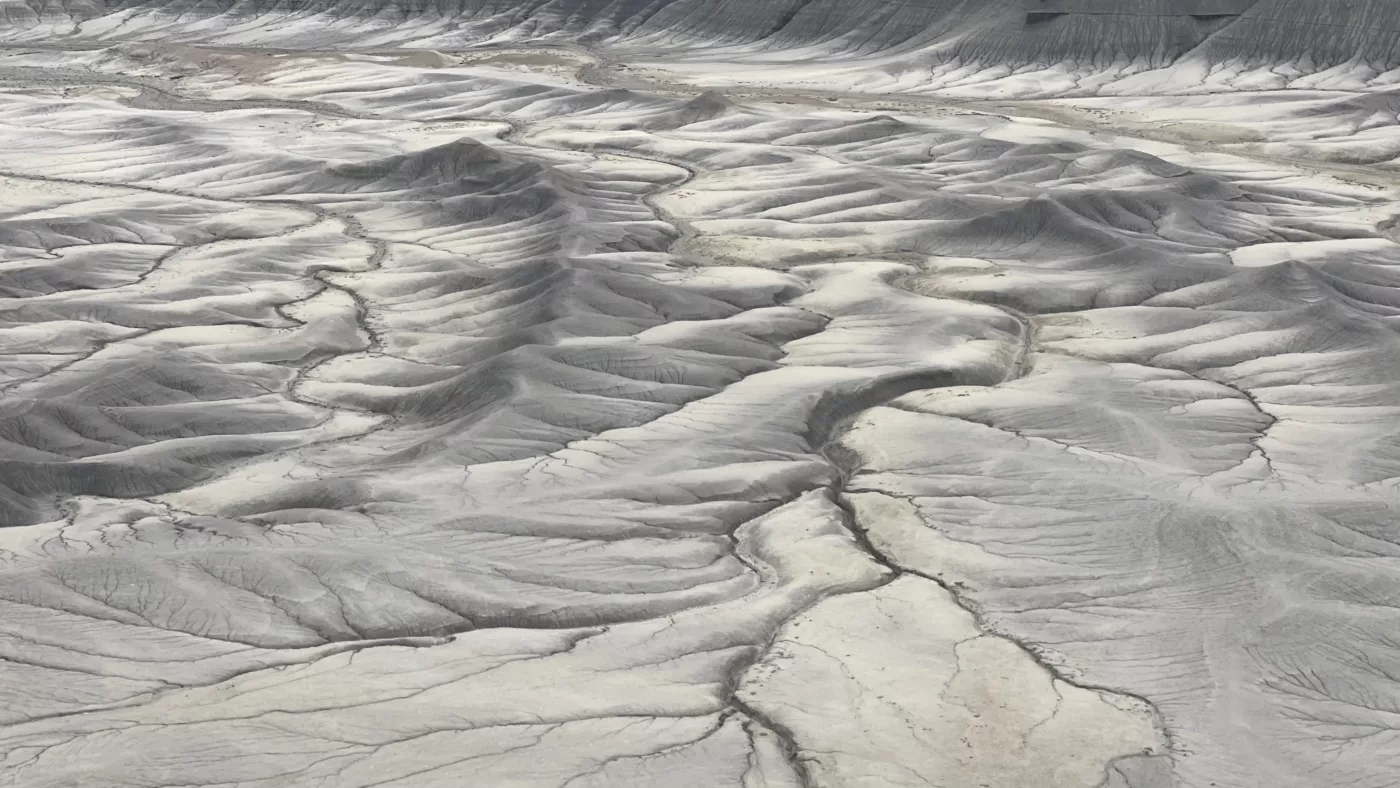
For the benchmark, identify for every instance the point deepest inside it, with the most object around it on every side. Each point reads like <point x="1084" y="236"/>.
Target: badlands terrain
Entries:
<point x="700" y="393"/>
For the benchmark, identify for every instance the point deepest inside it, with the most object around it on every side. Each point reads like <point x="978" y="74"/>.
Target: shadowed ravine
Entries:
<point x="687" y="394"/>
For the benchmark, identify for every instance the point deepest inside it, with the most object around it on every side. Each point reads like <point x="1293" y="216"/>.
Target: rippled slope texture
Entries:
<point x="700" y="394"/>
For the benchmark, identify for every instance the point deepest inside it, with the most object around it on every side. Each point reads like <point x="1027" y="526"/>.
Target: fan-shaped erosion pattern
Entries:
<point x="699" y="393"/>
